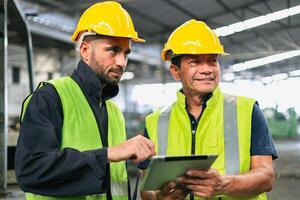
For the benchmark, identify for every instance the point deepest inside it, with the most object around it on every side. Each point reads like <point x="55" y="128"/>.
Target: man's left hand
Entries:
<point x="204" y="184"/>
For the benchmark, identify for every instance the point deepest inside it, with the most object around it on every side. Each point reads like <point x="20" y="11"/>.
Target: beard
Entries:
<point x="99" y="70"/>
<point x="107" y="80"/>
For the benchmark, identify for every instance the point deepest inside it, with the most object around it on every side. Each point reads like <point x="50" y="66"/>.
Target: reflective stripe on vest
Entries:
<point x="230" y="134"/>
<point x="163" y="129"/>
<point x="231" y="138"/>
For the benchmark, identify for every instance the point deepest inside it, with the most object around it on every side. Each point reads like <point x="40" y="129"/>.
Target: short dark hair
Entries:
<point x="89" y="38"/>
<point x="176" y="59"/>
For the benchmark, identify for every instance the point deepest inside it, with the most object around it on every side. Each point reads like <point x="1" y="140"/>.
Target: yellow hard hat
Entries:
<point x="192" y="37"/>
<point x="107" y="18"/>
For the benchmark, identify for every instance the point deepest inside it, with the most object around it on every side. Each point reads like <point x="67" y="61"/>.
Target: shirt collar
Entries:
<point x="92" y="84"/>
<point x="182" y="98"/>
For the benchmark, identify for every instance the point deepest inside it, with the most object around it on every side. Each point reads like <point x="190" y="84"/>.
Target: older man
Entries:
<point x="203" y="120"/>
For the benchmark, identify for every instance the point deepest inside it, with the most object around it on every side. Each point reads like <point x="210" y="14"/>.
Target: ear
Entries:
<point x="175" y="72"/>
<point x="85" y="51"/>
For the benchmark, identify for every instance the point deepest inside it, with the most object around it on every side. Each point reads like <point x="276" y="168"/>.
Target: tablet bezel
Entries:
<point x="163" y="169"/>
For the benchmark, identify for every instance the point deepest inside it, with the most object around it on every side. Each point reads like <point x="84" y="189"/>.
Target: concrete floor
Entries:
<point x="287" y="166"/>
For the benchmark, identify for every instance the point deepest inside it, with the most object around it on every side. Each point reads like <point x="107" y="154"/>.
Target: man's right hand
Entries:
<point x="137" y="149"/>
<point x="170" y="191"/>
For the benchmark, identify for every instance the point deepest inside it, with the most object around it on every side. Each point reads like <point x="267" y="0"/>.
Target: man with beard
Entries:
<point x="72" y="143"/>
<point x="204" y="121"/>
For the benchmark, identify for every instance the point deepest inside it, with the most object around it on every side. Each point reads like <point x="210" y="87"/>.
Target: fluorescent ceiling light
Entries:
<point x="127" y="76"/>
<point x="265" y="60"/>
<point x="267" y="79"/>
<point x="52" y="23"/>
<point x="278" y="15"/>
<point x="228" y="76"/>
<point x="295" y="73"/>
<point x="294" y="10"/>
<point x="278" y="77"/>
<point x="275" y="77"/>
<point x="257" y="21"/>
<point x="237" y="27"/>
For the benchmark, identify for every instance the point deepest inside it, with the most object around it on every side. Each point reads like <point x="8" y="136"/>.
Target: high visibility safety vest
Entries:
<point x="224" y="129"/>
<point x="80" y="131"/>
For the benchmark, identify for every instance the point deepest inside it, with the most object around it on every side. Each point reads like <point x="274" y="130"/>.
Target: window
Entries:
<point x="15" y="75"/>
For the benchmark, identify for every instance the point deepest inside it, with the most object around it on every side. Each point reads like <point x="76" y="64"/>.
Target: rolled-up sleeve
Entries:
<point x="261" y="138"/>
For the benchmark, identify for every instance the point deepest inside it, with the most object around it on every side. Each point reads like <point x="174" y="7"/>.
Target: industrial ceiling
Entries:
<point x="52" y="22"/>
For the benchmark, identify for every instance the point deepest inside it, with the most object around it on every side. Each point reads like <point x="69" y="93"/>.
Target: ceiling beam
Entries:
<point x="207" y="18"/>
<point x="234" y="9"/>
<point x="289" y="5"/>
<point x="258" y="35"/>
<point x="50" y="32"/>
<point x="228" y="9"/>
<point x="188" y="13"/>
<point x="282" y="25"/>
<point x="82" y="5"/>
<point x="54" y="4"/>
<point x="268" y="45"/>
<point x="271" y="32"/>
<point x="289" y="40"/>
<point x="181" y="9"/>
<point x="147" y="17"/>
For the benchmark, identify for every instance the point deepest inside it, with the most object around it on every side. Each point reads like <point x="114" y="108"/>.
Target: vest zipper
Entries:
<point x="193" y="153"/>
<point x="193" y="141"/>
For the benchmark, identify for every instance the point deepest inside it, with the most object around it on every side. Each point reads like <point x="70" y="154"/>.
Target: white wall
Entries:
<point x="44" y="61"/>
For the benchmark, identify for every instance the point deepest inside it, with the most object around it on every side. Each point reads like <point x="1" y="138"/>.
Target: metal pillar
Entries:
<point x="3" y="96"/>
<point x="14" y="12"/>
<point x="28" y="43"/>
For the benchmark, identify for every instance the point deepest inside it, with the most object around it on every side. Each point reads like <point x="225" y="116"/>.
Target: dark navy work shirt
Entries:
<point x="41" y="166"/>
<point x="261" y="138"/>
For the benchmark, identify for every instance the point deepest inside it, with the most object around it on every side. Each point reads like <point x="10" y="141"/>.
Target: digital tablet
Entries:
<point x="163" y="169"/>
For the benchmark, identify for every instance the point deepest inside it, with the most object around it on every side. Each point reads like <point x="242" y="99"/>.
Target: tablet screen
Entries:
<point x="164" y="169"/>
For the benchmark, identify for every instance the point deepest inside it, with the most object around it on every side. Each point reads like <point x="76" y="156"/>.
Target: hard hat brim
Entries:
<point x="138" y="39"/>
<point x="166" y="57"/>
<point x="74" y="37"/>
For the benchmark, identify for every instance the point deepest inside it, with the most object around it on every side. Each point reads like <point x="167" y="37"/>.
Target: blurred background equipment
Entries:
<point x="262" y="37"/>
